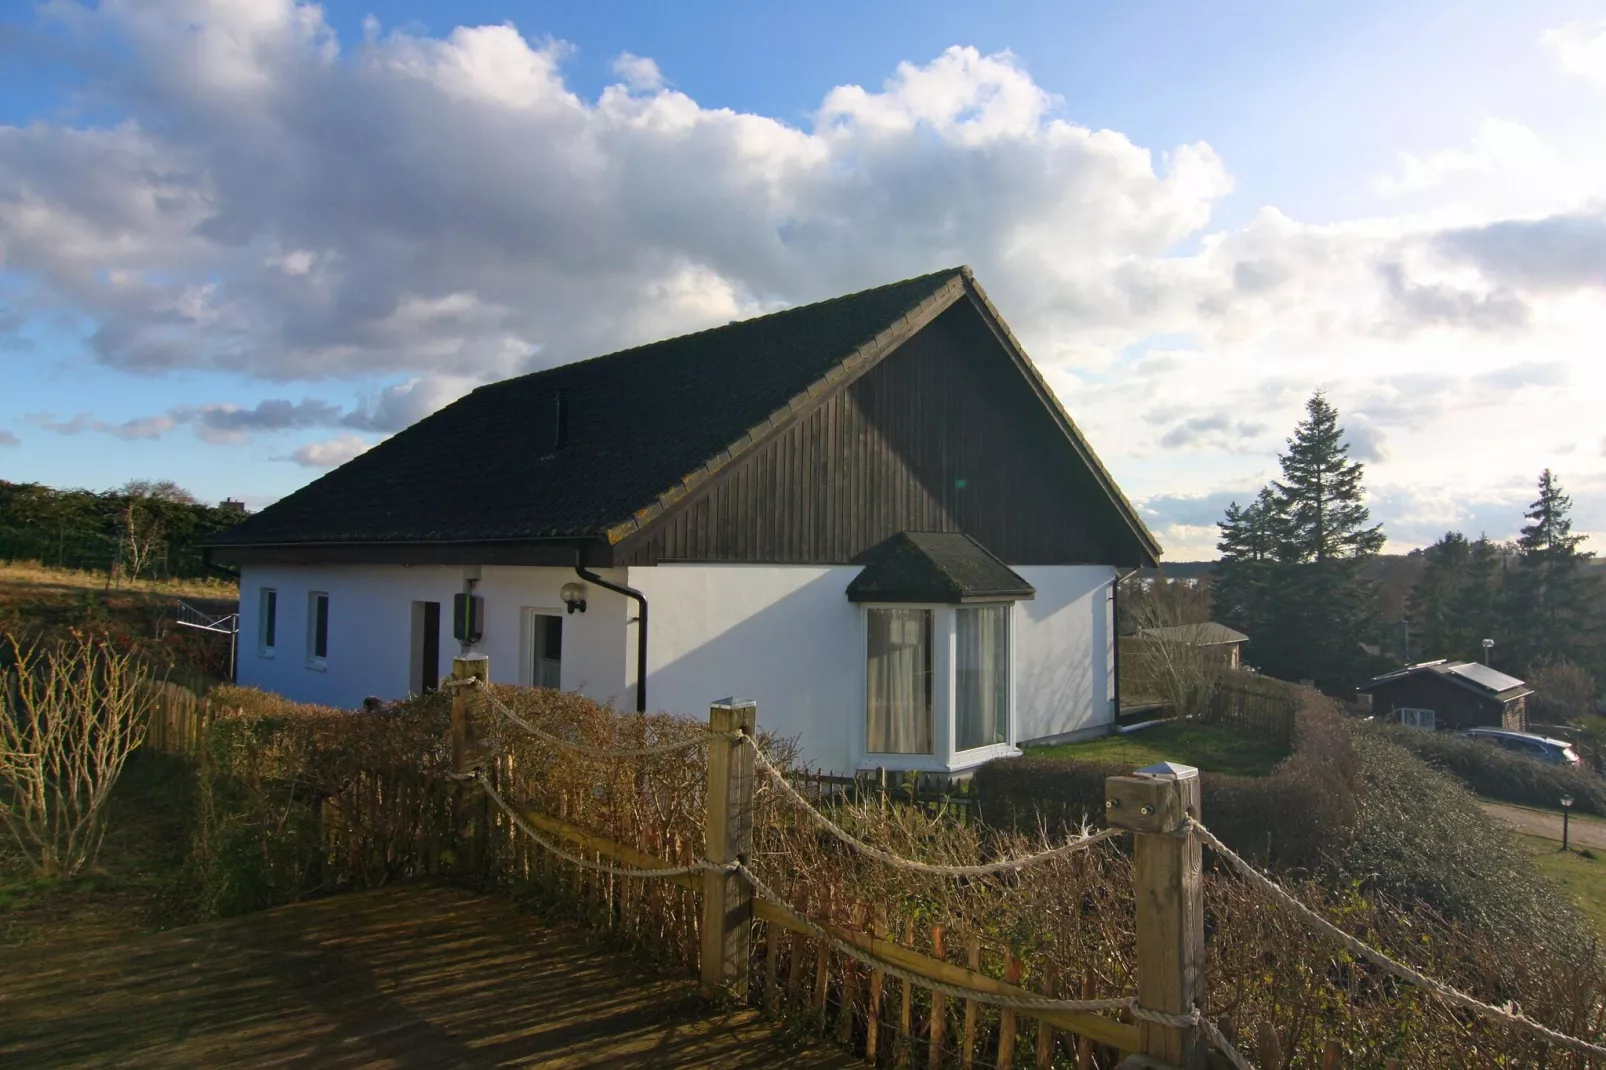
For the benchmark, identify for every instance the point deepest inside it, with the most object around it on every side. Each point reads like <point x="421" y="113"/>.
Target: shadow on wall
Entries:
<point x="1060" y="691"/>
<point x="796" y="656"/>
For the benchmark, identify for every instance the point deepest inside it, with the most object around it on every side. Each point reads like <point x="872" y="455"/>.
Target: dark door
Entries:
<point x="429" y="650"/>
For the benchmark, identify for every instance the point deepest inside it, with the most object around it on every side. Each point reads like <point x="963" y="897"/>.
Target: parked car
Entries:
<point x="1543" y="748"/>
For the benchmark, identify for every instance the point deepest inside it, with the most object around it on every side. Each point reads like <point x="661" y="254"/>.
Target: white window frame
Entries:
<point x="1417" y="717"/>
<point x="267" y="620"/>
<point x="945" y="757"/>
<point x="316" y="662"/>
<point x="527" y="615"/>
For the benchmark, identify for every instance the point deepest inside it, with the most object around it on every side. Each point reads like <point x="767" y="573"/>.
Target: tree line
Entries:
<point x="144" y="528"/>
<point x="1293" y="575"/>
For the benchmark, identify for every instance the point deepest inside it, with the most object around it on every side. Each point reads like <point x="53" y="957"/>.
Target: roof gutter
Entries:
<point x="641" y="625"/>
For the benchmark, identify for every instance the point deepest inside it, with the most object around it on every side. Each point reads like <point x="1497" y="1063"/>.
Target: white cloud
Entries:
<point x="329" y="454"/>
<point x="1580" y="48"/>
<point x="421" y="214"/>
<point x="129" y="430"/>
<point x="638" y="72"/>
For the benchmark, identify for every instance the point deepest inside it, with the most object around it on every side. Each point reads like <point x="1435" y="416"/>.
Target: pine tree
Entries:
<point x="1432" y="605"/>
<point x="1475" y="609"/>
<point x="1324" y="606"/>
<point x="1549" y="603"/>
<point x="1320" y="499"/>
<point x="1240" y="591"/>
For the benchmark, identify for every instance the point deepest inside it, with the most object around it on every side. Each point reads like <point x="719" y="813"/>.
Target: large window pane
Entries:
<point x="981" y="677"/>
<point x="900" y="681"/>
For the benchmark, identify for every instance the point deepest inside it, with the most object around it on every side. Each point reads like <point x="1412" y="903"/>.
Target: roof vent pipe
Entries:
<point x="641" y="624"/>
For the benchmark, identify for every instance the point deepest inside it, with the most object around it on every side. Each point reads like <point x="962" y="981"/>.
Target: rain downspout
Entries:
<point x="1115" y="626"/>
<point x="641" y="626"/>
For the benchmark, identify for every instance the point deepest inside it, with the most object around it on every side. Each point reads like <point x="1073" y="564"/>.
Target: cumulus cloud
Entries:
<point x="1367" y="442"/>
<point x="1560" y="252"/>
<point x="419" y="214"/>
<point x="1580" y="48"/>
<point x="329" y="454"/>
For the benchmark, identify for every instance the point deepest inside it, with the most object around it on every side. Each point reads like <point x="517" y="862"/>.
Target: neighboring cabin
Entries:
<point x="1450" y="694"/>
<point x="1220" y="642"/>
<point x="870" y="514"/>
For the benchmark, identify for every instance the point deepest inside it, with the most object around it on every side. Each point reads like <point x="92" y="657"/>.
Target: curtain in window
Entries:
<point x="981" y="677"/>
<point x="900" y="681"/>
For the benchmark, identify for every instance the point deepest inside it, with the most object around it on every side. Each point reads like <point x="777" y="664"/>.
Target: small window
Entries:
<point x="981" y="677"/>
<point x="1412" y="717"/>
<point x="267" y="622"/>
<point x="899" y="681"/>
<point x="317" y="629"/>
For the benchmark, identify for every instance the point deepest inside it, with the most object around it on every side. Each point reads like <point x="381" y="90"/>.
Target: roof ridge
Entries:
<point x="961" y="270"/>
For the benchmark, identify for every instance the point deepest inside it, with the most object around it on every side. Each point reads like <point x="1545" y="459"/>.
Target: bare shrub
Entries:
<point x="70" y="714"/>
<point x="1170" y="658"/>
<point x="1562" y="692"/>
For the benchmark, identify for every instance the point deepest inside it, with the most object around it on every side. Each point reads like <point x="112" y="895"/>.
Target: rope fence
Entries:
<point x="913" y="865"/>
<point x="502" y="710"/>
<point x="1508" y="1015"/>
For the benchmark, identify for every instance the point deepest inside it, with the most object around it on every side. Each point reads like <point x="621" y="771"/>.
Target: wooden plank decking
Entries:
<point x="413" y="976"/>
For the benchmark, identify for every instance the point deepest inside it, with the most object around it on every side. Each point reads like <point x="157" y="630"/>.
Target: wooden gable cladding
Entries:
<point x="944" y="434"/>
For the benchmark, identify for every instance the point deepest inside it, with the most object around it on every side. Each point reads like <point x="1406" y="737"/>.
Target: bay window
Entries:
<point x="899" y="678"/>
<point x="981" y="676"/>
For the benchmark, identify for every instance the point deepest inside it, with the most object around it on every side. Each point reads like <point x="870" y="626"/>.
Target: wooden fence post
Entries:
<point x="464" y="840"/>
<point x="1155" y="803"/>
<point x="727" y="899"/>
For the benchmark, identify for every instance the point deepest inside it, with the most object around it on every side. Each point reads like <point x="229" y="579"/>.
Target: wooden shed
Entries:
<point x="1450" y="695"/>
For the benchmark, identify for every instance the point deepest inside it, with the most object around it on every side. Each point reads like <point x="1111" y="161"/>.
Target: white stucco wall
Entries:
<point x="788" y="637"/>
<point x="1065" y="652"/>
<point x="370" y="628"/>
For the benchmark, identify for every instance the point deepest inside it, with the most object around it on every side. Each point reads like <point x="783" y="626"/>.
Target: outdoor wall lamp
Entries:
<point x="1566" y="812"/>
<point x="574" y="596"/>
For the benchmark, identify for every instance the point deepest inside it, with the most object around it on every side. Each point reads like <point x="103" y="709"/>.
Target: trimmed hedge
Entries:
<point x="1292" y="818"/>
<point x="1498" y="774"/>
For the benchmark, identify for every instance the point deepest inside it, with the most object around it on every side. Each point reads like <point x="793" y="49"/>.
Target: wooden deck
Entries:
<point x="414" y="976"/>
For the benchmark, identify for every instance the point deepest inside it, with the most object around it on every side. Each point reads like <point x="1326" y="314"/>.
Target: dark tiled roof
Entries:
<point x="640" y="422"/>
<point x="943" y="567"/>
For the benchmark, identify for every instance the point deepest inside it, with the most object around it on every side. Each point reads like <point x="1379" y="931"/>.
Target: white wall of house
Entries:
<point x="786" y="636"/>
<point x="1065" y="652"/>
<point x="371" y="622"/>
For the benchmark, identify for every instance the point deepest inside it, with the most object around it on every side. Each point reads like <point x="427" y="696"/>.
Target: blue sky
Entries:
<point x="239" y="241"/>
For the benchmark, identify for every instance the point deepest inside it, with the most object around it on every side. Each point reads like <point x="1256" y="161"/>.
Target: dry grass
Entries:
<point x="19" y="577"/>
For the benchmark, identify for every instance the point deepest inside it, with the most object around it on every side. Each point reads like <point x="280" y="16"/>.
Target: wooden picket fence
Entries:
<point x="178" y="718"/>
<point x="1261" y="705"/>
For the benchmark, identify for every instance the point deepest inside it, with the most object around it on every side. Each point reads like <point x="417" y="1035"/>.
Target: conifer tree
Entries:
<point x="1291" y="573"/>
<point x="1434" y="597"/>
<point x="1475" y="609"/>
<point x="1549" y="596"/>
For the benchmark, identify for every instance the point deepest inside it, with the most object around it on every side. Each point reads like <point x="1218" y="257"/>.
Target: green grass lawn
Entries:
<point x="1582" y="874"/>
<point x="1218" y="748"/>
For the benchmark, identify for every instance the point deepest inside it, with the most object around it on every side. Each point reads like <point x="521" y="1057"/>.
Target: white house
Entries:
<point x="869" y="514"/>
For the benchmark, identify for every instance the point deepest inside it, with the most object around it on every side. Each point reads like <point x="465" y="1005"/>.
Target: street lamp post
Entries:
<point x="1566" y="812"/>
<point x="1488" y="645"/>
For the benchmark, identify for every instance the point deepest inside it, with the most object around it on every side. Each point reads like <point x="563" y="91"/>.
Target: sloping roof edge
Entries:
<point x="1067" y="425"/>
<point x="849" y="368"/>
<point x="860" y="361"/>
